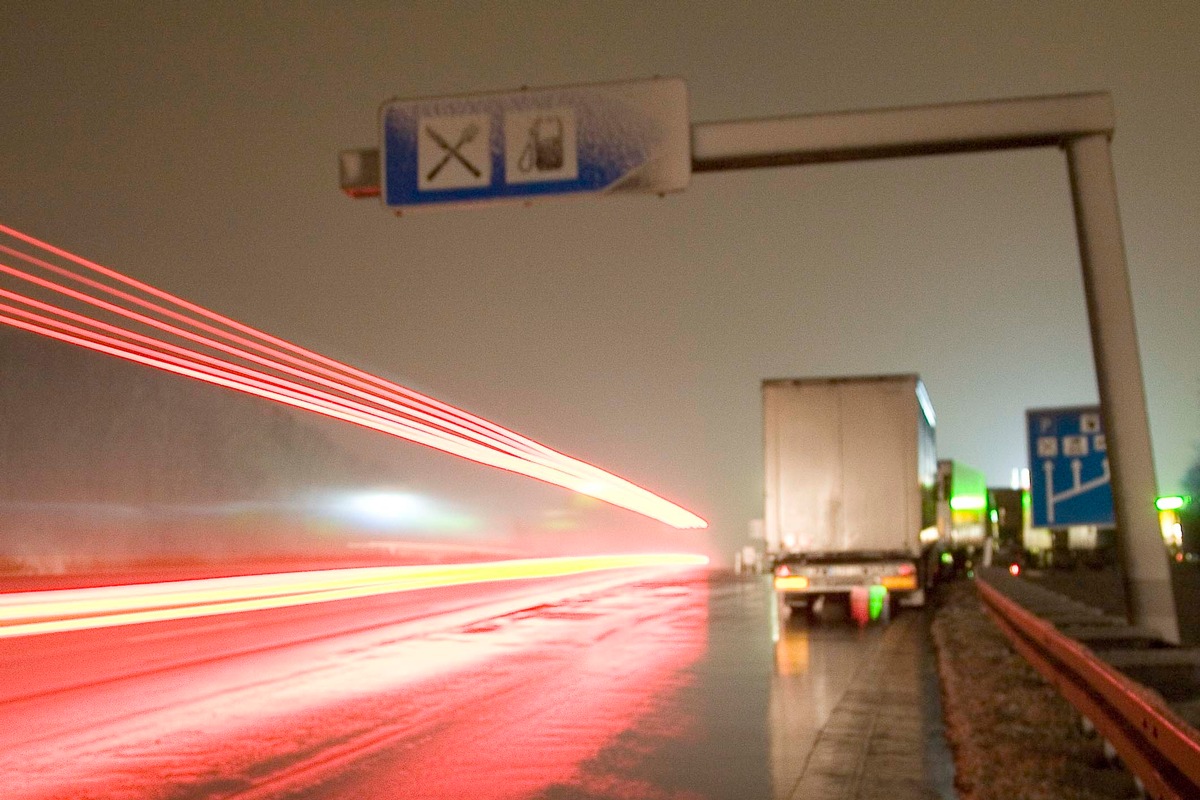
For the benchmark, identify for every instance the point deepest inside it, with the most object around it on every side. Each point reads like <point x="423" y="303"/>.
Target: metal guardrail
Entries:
<point x="1146" y="734"/>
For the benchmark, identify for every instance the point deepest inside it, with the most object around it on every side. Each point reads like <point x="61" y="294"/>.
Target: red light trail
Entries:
<point x="547" y="676"/>
<point x="138" y="322"/>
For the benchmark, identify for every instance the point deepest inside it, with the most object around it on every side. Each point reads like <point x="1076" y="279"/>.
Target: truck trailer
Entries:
<point x="851" y="488"/>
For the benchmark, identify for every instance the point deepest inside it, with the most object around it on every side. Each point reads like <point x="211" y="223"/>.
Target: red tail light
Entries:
<point x="782" y="570"/>
<point x="906" y="569"/>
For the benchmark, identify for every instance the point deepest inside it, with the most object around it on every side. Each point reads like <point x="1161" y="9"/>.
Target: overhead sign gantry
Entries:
<point x="1082" y="126"/>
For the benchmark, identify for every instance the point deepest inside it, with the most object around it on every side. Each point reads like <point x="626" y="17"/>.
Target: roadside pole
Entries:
<point x="1119" y="379"/>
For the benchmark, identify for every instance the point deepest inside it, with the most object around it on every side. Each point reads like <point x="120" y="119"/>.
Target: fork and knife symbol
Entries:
<point x="453" y="151"/>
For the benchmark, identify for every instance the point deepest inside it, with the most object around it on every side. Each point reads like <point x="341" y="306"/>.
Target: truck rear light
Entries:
<point x="906" y="569"/>
<point x="783" y="570"/>
<point x="785" y="583"/>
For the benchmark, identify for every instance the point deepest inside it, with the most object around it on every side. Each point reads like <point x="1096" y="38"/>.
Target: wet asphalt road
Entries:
<point x="664" y="685"/>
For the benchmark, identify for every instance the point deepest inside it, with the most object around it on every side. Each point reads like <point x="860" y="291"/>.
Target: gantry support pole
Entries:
<point x="1119" y="377"/>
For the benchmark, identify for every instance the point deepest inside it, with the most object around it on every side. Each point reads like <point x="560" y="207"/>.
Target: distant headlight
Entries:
<point x="387" y="508"/>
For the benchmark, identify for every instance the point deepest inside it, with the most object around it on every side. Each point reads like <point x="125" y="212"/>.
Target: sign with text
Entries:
<point x="528" y="144"/>
<point x="1070" y="482"/>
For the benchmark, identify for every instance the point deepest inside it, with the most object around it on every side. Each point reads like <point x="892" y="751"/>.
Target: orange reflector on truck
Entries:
<point x="902" y="582"/>
<point x="790" y="582"/>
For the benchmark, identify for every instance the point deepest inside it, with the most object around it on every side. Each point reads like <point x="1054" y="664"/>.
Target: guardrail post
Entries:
<point x="1119" y="380"/>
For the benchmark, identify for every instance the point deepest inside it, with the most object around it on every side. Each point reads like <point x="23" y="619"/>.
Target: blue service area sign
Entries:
<point x="1070" y="482"/>
<point x="533" y="143"/>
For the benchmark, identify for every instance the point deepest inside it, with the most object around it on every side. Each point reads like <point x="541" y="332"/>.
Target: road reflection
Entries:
<point x="579" y="717"/>
<point x="815" y="663"/>
<point x="791" y="650"/>
<point x="558" y="696"/>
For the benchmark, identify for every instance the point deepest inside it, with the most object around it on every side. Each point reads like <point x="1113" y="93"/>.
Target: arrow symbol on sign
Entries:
<point x="1079" y="488"/>
<point x="1048" y="470"/>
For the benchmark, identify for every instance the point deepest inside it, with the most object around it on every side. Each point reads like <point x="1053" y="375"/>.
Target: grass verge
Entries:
<point x="1012" y="735"/>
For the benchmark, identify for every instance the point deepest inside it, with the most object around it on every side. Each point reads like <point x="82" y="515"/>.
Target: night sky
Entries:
<point x="195" y="146"/>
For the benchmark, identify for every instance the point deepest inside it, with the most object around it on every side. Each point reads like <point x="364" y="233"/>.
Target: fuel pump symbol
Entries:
<point x="543" y="150"/>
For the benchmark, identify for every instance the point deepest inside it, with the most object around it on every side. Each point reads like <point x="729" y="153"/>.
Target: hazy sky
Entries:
<point x="194" y="145"/>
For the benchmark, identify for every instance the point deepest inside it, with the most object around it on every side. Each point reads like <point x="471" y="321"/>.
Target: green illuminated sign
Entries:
<point x="968" y="502"/>
<point x="968" y="488"/>
<point x="1170" y="503"/>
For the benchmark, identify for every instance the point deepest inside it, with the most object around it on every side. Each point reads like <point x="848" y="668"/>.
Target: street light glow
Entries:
<point x="1172" y="503"/>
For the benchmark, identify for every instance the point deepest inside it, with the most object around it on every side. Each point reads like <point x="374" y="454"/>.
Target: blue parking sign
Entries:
<point x="1070" y="480"/>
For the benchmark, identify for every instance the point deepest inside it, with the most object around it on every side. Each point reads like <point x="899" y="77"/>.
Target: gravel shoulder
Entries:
<point x="1012" y="735"/>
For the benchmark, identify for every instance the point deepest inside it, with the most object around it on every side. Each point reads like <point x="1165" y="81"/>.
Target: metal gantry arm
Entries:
<point x="1082" y="125"/>
<point x="900" y="132"/>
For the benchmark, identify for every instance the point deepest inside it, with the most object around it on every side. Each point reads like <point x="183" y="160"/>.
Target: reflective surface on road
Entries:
<point x="672" y="684"/>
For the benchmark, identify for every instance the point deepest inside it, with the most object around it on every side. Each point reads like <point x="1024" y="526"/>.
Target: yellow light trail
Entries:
<point x="61" y="610"/>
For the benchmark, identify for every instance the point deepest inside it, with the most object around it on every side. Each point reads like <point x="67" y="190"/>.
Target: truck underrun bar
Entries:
<point x="1147" y="735"/>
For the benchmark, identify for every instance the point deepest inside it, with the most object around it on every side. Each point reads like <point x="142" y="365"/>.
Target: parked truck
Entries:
<point x="851" y="501"/>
